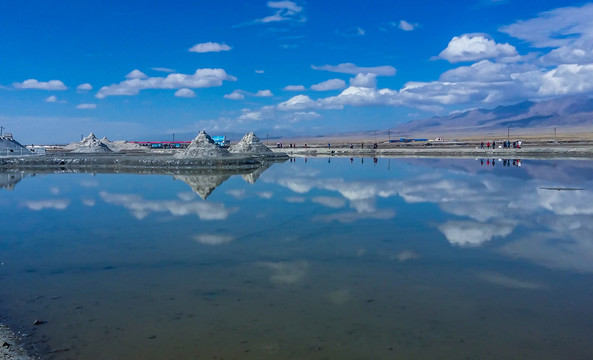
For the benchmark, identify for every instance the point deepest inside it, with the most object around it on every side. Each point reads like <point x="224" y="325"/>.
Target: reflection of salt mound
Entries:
<point x="202" y="185"/>
<point x="250" y="144"/>
<point x="9" y="146"/>
<point x="89" y="144"/>
<point x="202" y="147"/>
<point x="9" y="180"/>
<point x="122" y="145"/>
<point x="253" y="176"/>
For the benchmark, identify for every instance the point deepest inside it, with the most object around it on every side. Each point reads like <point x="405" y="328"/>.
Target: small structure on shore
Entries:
<point x="202" y="147"/>
<point x="89" y="144"/>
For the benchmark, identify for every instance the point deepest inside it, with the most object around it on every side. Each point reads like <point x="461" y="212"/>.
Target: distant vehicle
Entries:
<point x="222" y="141"/>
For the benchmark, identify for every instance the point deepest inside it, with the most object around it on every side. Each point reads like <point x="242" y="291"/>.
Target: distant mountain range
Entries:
<point x="569" y="113"/>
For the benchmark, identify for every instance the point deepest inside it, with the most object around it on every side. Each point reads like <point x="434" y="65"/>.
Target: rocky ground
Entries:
<point x="11" y="348"/>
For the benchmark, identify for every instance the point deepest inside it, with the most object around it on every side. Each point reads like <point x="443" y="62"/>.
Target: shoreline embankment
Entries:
<point x="436" y="150"/>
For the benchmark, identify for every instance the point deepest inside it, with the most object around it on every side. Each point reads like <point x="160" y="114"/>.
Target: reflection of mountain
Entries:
<point x="255" y="174"/>
<point x="9" y="180"/>
<point x="203" y="185"/>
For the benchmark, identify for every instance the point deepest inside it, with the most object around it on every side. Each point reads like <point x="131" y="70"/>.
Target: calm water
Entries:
<point x="328" y="259"/>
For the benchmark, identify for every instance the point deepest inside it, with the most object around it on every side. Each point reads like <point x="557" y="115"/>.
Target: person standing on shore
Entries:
<point x="482" y="145"/>
<point x="488" y="144"/>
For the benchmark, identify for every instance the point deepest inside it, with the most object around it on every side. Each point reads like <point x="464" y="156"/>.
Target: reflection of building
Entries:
<point x="8" y="180"/>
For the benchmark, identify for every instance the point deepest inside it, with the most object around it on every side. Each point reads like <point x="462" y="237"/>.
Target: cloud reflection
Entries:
<point x="214" y="239"/>
<point x="468" y="233"/>
<point x="55" y="204"/>
<point x="286" y="273"/>
<point x="140" y="208"/>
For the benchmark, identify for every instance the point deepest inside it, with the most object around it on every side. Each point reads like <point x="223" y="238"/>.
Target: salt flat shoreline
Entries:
<point x="444" y="150"/>
<point x="12" y="348"/>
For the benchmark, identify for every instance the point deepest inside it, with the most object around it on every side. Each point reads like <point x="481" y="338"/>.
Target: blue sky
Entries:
<point x="137" y="69"/>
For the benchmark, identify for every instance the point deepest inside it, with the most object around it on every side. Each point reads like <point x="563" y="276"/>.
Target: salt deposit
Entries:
<point x="202" y="147"/>
<point x="203" y="185"/>
<point x="122" y="145"/>
<point x="250" y="144"/>
<point x="254" y="175"/>
<point x="89" y="144"/>
<point x="9" y="146"/>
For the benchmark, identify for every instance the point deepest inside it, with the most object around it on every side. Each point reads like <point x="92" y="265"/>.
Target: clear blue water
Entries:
<point x="324" y="259"/>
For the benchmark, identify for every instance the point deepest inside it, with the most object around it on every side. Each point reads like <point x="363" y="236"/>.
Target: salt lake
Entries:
<point x="319" y="258"/>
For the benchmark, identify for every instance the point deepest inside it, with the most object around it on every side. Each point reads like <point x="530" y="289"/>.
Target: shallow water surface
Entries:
<point x="319" y="259"/>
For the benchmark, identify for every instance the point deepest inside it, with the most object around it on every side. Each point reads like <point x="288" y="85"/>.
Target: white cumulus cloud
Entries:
<point x="40" y="85"/>
<point x="185" y="93"/>
<point x="136" y="74"/>
<point x="202" y="78"/>
<point x="235" y="95"/>
<point x="406" y="26"/>
<point x="470" y="47"/>
<point x="364" y="80"/>
<point x="84" y="87"/>
<point x="264" y="93"/>
<point x="209" y="47"/>
<point x="332" y="84"/>
<point x="51" y="99"/>
<point x="294" y="88"/>
<point x="86" y="106"/>
<point x="349" y="68"/>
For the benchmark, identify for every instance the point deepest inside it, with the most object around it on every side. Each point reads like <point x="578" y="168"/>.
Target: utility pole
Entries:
<point x="173" y="137"/>
<point x="555" y="135"/>
<point x="389" y="133"/>
<point x="508" y="134"/>
<point x="1" y="129"/>
<point x="267" y="139"/>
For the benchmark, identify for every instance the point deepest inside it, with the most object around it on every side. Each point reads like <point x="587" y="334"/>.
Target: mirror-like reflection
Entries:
<point x="349" y="259"/>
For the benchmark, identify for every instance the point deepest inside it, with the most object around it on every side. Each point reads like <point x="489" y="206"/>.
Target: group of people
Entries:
<point x="505" y="144"/>
<point x="505" y="162"/>
<point x="280" y="145"/>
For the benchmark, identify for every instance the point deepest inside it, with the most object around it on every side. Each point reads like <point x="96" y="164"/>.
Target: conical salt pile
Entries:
<point x="202" y="147"/>
<point x="89" y="144"/>
<point x="250" y="144"/>
<point x="9" y="146"/>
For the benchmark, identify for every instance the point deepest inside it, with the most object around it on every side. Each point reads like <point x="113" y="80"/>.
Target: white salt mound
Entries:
<point x="89" y="144"/>
<point x="202" y="147"/>
<point x="121" y="145"/>
<point x="9" y="146"/>
<point x="250" y="144"/>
